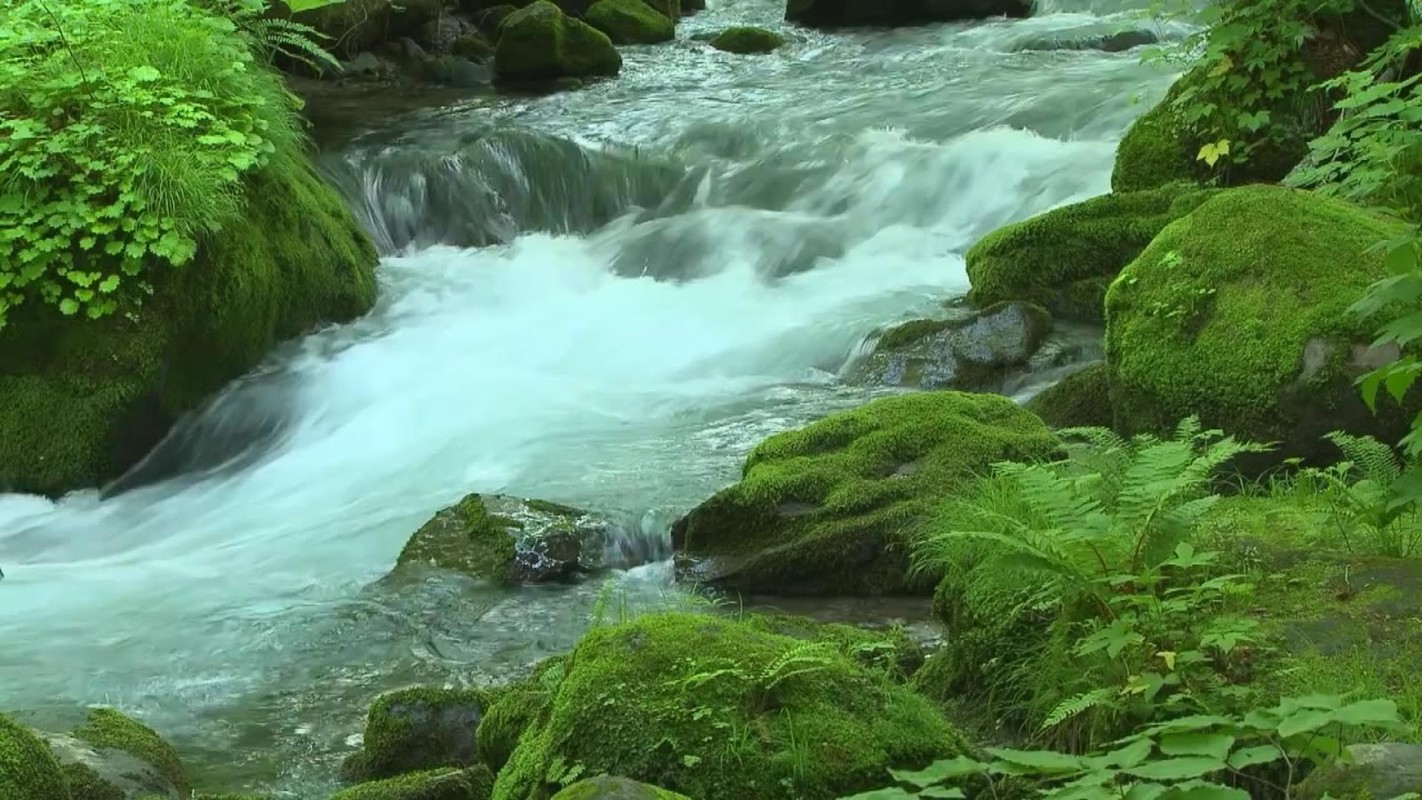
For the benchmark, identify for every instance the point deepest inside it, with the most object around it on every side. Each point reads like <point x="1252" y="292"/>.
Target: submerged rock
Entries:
<point x="1238" y="313"/>
<point x="630" y="22"/>
<point x="970" y="350"/>
<point x="846" y="13"/>
<point x="541" y="43"/>
<point x="82" y="400"/>
<point x="509" y="540"/>
<point x="747" y="40"/>
<point x="1106" y="42"/>
<point x="606" y="787"/>
<point x="28" y="770"/>
<point x="1065" y="258"/>
<point x="419" y="728"/>
<point x="439" y="784"/>
<point x="658" y="699"/>
<point x="832" y="508"/>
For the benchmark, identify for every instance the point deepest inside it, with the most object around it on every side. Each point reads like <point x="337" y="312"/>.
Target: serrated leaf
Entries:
<point x="1212" y="745"/>
<point x="1044" y="761"/>
<point x="1246" y="757"/>
<point x="1177" y="769"/>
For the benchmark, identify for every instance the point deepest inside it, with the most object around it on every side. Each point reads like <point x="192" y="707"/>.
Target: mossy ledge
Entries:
<point x="28" y="770"/>
<point x="83" y="400"/>
<point x="106" y="727"/>
<point x="832" y="507"/>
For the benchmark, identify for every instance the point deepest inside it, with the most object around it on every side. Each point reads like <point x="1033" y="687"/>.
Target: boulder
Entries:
<point x="1080" y="400"/>
<point x="1065" y="258"/>
<point x="512" y="710"/>
<point x="831" y="508"/>
<point x="850" y="13"/>
<point x="83" y="400"/>
<point x="114" y="757"/>
<point x="662" y="698"/>
<point x="970" y="350"/>
<point x="540" y="43"/>
<point x="1105" y="42"/>
<point x="671" y="9"/>
<point x="28" y="770"/>
<point x="509" y="540"/>
<point x="630" y="22"/>
<point x="417" y="729"/>
<point x="746" y="40"/>
<point x="355" y="25"/>
<point x="606" y="787"/>
<point x="438" y="784"/>
<point x="1382" y="770"/>
<point x="1238" y="313"/>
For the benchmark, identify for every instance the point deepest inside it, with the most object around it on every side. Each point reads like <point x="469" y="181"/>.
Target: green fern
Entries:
<point x="1077" y="705"/>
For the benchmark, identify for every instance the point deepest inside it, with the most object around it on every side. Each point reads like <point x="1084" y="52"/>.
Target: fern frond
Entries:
<point x="1375" y="460"/>
<point x="1075" y="706"/>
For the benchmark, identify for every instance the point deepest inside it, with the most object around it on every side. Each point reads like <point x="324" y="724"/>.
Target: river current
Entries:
<point x="603" y="298"/>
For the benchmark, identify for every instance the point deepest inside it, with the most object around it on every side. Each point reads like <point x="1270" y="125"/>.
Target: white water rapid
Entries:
<point x="602" y="298"/>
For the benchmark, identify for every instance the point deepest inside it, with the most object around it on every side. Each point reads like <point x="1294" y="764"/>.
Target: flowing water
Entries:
<point x="603" y="298"/>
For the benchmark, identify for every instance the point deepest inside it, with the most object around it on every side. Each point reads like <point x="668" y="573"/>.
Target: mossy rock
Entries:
<point x="746" y="40"/>
<point x="691" y="703"/>
<point x="513" y="709"/>
<point x="1238" y="313"/>
<point x="832" y="507"/>
<point x="540" y="43"/>
<point x="853" y="13"/>
<point x="81" y="401"/>
<point x="630" y="22"/>
<point x="439" y="784"/>
<point x="671" y="9"/>
<point x="355" y="25"/>
<point x="970" y="350"/>
<point x="418" y="729"/>
<point x="607" y="787"/>
<point x="110" y="733"/>
<point x="1064" y="259"/>
<point x="1080" y="400"/>
<point x="509" y="540"/>
<point x="28" y="770"/>
<point x="1373" y="772"/>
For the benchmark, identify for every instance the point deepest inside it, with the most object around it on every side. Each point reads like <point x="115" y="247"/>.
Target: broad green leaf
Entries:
<point x="1304" y="721"/>
<point x="1213" y="745"/>
<point x="1253" y="756"/>
<point x="939" y="771"/>
<point x="944" y="792"/>
<point x="1380" y="712"/>
<point x="1177" y="769"/>
<point x="1044" y="761"/>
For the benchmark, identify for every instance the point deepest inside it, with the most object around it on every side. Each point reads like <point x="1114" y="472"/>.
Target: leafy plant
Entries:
<point x="1202" y="757"/>
<point x="125" y="128"/>
<point x="1362" y="503"/>
<point x="271" y="36"/>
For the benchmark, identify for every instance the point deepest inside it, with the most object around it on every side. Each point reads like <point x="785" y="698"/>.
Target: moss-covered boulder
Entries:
<point x="1065" y="258"/>
<point x="832" y="507"/>
<point x="115" y="757"/>
<point x="1238" y="313"/>
<point x="540" y="43"/>
<point x="28" y="770"/>
<point x="439" y="784"/>
<point x="417" y="729"/>
<point x="853" y="13"/>
<point x="1080" y="400"/>
<point x="746" y="40"/>
<point x="81" y="401"/>
<point x="970" y="350"/>
<point x="606" y="787"/>
<point x="509" y="540"/>
<point x="355" y="25"/>
<point x="711" y="707"/>
<point x="1372" y="772"/>
<point x="671" y="9"/>
<point x="513" y="709"/>
<point x="630" y="22"/>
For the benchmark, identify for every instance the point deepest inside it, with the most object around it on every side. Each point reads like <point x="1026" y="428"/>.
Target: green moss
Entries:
<point x="891" y="650"/>
<point x="85" y="783"/>
<point x="671" y="9"/>
<point x="28" y="770"/>
<point x="539" y="42"/>
<point x="609" y="788"/>
<point x="466" y="538"/>
<point x="712" y="707"/>
<point x="744" y="39"/>
<point x="514" y="709"/>
<point x="439" y="784"/>
<point x="1081" y="399"/>
<point x="107" y="728"/>
<point x="1064" y="258"/>
<point x="81" y="401"/>
<point x="1238" y="312"/>
<point x="421" y="728"/>
<point x="630" y="22"/>
<point x="832" y="506"/>
<point x="1154" y="152"/>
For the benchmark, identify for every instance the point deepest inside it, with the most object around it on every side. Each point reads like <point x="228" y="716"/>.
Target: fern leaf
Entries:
<point x="1073" y="707"/>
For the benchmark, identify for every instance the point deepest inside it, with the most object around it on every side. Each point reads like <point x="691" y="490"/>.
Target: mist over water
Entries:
<point x="602" y="298"/>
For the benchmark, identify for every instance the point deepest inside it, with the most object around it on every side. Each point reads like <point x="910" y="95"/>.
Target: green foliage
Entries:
<point x="1370" y="155"/>
<point x="271" y="36"/>
<point x="28" y="770"/>
<point x="1362" y="499"/>
<point x="1103" y="540"/>
<point x="1201" y="756"/>
<point x="125" y="128"/>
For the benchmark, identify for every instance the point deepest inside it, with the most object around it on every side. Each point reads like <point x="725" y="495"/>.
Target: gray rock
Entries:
<point x="1380" y="771"/>
<point x="969" y="350"/>
<point x="108" y="773"/>
<point x="365" y="63"/>
<point x="1108" y="42"/>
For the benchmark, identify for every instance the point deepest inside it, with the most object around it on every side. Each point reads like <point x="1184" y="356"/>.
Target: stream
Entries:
<point x="602" y="298"/>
